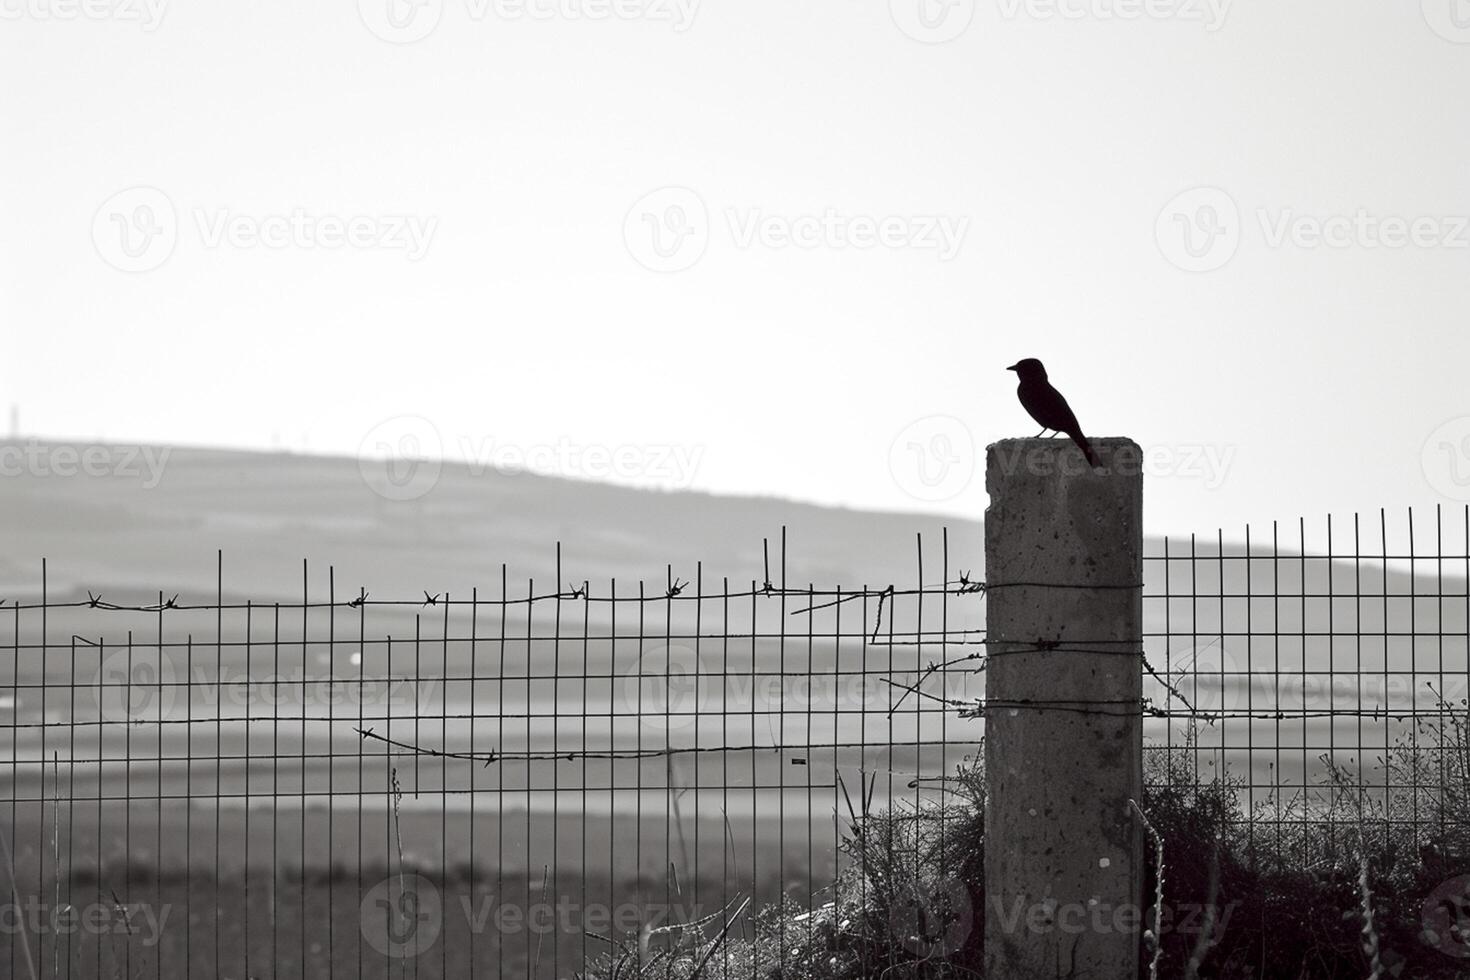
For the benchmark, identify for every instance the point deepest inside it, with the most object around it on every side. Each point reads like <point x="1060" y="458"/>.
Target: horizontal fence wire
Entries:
<point x="540" y="777"/>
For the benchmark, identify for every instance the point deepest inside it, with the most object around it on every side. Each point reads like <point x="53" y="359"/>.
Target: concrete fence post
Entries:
<point x="1063" y="725"/>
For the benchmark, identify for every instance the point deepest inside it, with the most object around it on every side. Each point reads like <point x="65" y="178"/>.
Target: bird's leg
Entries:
<point x="1041" y="433"/>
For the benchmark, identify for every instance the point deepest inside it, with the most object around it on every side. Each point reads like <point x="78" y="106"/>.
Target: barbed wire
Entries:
<point x="676" y="590"/>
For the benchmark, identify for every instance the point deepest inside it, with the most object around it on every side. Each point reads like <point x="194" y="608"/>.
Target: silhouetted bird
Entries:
<point x="1047" y="406"/>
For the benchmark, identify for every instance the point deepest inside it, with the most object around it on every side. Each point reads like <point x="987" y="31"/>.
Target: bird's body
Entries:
<point x="1047" y="406"/>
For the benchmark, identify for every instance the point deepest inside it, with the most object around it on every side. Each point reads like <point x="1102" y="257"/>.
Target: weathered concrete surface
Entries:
<point x="1063" y="727"/>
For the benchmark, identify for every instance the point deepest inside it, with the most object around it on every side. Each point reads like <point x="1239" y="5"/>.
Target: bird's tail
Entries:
<point x="1087" y="450"/>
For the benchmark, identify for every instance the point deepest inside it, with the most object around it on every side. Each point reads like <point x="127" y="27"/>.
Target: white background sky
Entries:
<point x="1318" y="377"/>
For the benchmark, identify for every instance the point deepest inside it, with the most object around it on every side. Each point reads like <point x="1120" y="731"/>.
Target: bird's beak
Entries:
<point x="1013" y="367"/>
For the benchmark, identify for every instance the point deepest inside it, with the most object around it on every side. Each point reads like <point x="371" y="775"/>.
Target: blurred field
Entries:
<point x="266" y="883"/>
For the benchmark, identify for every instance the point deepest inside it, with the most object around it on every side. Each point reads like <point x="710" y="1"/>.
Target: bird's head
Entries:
<point x="1028" y="369"/>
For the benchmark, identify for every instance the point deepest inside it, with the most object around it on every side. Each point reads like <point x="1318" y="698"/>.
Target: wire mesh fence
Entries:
<point x="1322" y="670"/>
<point x="443" y="785"/>
<point x="539" y="778"/>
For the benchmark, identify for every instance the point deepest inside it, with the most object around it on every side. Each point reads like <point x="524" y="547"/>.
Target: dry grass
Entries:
<point x="1328" y="885"/>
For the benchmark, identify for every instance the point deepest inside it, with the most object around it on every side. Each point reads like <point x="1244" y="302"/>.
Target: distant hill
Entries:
<point x="268" y="511"/>
<point x="160" y="529"/>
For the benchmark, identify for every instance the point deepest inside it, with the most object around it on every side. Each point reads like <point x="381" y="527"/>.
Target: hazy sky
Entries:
<point x="754" y="245"/>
